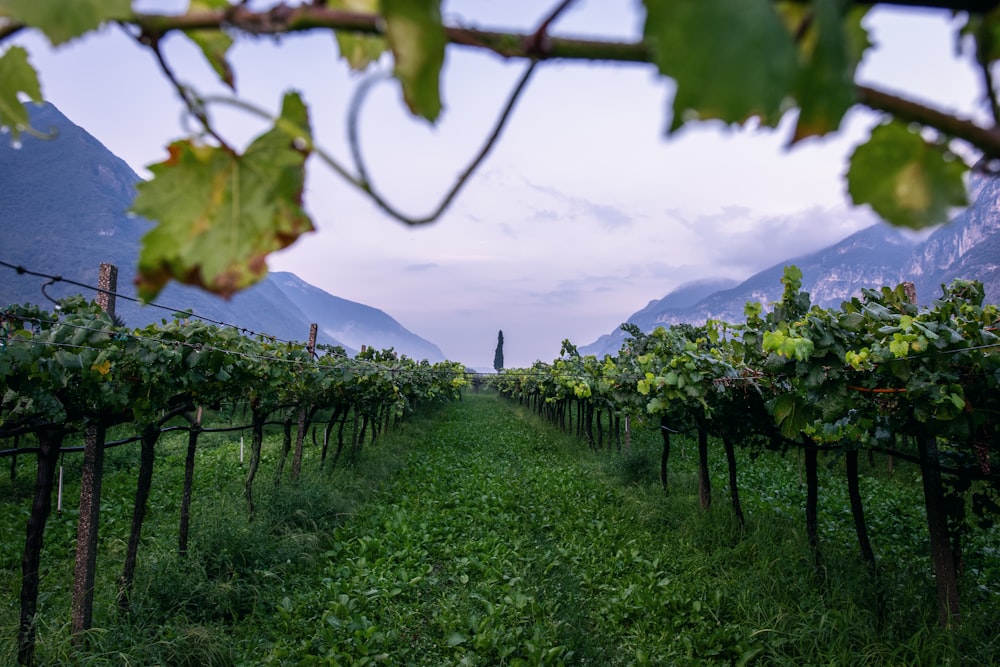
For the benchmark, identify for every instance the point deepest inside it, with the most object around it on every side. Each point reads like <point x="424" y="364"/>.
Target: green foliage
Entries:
<point x="880" y="374"/>
<point x="637" y="466"/>
<point x="830" y="46"/>
<point x="417" y="39"/>
<point x="905" y="178"/>
<point x="16" y="76"/>
<point x="478" y="535"/>
<point x="235" y="564"/>
<point x="792" y="414"/>
<point x="221" y="213"/>
<point x="498" y="353"/>
<point x="61" y="22"/>
<point x="75" y="366"/>
<point x="214" y="45"/>
<point x="359" y="51"/>
<point x="746" y="75"/>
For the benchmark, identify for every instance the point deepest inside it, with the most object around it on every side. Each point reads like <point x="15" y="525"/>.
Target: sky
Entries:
<point x="583" y="213"/>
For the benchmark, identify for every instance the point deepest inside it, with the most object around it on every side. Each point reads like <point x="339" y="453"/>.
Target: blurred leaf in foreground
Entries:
<point x="907" y="180"/>
<point x="16" y="76"/>
<point x="417" y="40"/>
<point x="60" y="20"/>
<point x="220" y="214"/>
<point x="732" y="59"/>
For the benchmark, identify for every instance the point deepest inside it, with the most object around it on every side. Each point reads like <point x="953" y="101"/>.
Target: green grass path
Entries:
<point x="500" y="542"/>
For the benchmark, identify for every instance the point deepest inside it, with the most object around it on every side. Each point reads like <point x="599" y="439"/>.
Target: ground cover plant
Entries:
<point x="479" y="535"/>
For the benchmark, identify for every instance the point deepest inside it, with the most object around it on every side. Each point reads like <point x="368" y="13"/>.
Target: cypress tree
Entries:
<point x="498" y="355"/>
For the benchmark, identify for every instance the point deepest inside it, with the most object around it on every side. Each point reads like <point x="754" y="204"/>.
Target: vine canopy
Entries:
<point x="736" y="61"/>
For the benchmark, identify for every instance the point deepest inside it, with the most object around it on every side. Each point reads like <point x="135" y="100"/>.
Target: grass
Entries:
<point x="480" y="536"/>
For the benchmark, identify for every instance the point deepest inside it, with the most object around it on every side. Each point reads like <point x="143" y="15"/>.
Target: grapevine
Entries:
<point x="881" y="374"/>
<point x="62" y="372"/>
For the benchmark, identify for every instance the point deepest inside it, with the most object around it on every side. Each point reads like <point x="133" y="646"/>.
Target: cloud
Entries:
<point x="580" y="208"/>
<point x="561" y="296"/>
<point x="547" y="214"/>
<point x="609" y="217"/>
<point x="420" y="268"/>
<point x="741" y="241"/>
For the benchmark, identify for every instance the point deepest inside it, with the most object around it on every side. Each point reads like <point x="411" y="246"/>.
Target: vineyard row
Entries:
<point x="76" y="370"/>
<point x="880" y="374"/>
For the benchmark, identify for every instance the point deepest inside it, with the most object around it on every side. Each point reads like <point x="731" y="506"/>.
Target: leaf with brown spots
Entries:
<point x="220" y="213"/>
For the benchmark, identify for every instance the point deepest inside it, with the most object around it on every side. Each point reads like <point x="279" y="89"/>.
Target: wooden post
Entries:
<point x="311" y="345"/>
<point x="300" y="432"/>
<point x="90" y="488"/>
<point x="49" y="443"/>
<point x="86" y="528"/>
<point x="107" y="281"/>
<point x="942" y="556"/>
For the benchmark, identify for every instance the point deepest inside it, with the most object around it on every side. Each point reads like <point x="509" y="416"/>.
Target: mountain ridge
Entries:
<point x="353" y="323"/>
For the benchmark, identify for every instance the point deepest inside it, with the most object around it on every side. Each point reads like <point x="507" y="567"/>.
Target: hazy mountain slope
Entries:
<point x="869" y="258"/>
<point x="353" y="323"/>
<point x="63" y="204"/>
<point x="685" y="296"/>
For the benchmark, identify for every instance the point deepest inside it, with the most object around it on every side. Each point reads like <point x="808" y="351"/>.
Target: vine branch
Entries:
<point x="353" y="122"/>
<point x="535" y="46"/>
<point x="282" y="19"/>
<point x="194" y="105"/>
<point x="539" y="46"/>
<point x="362" y="180"/>
<point x="541" y="35"/>
<point x="987" y="139"/>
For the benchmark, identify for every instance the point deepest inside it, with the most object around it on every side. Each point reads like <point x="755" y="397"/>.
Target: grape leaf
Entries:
<point x="906" y="180"/>
<point x="731" y="59"/>
<point x="830" y="49"/>
<point x="220" y="214"/>
<point x="16" y="76"/>
<point x="792" y="413"/>
<point x="417" y="40"/>
<point x="214" y="44"/>
<point x="61" y="21"/>
<point x="359" y="51"/>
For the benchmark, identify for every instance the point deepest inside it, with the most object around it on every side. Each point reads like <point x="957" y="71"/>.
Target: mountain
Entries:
<point x="685" y="296"/>
<point x="967" y="247"/>
<point x="63" y="207"/>
<point x="353" y="323"/>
